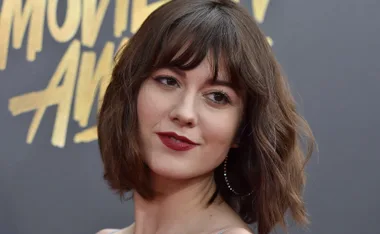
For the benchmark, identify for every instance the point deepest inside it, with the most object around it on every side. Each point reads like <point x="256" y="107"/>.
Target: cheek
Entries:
<point x="219" y="129"/>
<point x="144" y="106"/>
<point x="148" y="113"/>
<point x="218" y="132"/>
<point x="149" y="105"/>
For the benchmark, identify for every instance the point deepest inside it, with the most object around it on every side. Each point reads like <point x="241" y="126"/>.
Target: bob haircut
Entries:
<point x="270" y="159"/>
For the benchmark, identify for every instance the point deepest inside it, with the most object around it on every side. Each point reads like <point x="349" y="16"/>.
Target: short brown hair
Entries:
<point x="269" y="161"/>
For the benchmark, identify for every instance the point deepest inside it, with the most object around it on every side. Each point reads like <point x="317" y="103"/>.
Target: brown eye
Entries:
<point x="219" y="98"/>
<point x="167" y="80"/>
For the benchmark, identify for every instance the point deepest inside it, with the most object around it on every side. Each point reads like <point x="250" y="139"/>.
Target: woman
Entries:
<point x="199" y="124"/>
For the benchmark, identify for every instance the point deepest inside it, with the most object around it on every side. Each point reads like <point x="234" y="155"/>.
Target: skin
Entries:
<point x="189" y="104"/>
<point x="186" y="102"/>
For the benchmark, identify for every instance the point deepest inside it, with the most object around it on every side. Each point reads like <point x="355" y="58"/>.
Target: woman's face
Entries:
<point x="187" y="123"/>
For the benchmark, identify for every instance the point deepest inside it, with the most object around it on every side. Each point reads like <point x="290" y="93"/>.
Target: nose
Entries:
<point x="184" y="113"/>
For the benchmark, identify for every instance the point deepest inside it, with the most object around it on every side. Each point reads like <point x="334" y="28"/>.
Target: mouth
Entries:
<point x="175" y="141"/>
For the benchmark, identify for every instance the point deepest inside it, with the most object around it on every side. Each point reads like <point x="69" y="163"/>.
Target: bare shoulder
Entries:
<point x="107" y="231"/>
<point x="237" y="231"/>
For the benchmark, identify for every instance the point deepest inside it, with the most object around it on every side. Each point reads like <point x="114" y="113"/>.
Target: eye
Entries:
<point x="219" y="97"/>
<point x="167" y="81"/>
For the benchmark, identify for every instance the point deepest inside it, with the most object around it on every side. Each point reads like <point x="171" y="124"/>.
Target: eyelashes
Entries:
<point x="167" y="80"/>
<point x="218" y="97"/>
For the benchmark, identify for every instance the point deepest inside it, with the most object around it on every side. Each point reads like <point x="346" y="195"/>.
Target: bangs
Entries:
<point x="191" y="38"/>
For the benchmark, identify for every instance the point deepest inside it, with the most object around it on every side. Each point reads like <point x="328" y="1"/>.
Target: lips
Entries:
<point x="175" y="141"/>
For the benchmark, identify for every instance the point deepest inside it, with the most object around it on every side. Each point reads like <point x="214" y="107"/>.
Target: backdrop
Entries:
<point x="55" y="61"/>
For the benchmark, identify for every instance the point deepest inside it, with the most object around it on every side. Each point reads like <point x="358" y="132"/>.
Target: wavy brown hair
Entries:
<point x="270" y="159"/>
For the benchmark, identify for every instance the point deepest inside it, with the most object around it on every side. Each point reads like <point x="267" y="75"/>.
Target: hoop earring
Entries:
<point x="228" y="183"/>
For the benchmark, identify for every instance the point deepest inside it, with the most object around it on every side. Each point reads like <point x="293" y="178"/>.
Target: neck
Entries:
<point x="177" y="207"/>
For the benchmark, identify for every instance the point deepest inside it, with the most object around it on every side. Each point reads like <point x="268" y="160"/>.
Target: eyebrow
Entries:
<point x="182" y="73"/>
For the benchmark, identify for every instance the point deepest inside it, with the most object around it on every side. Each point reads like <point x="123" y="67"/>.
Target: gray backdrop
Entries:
<point x="329" y="49"/>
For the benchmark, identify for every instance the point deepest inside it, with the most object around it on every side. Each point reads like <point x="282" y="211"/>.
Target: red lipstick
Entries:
<point x="176" y="142"/>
